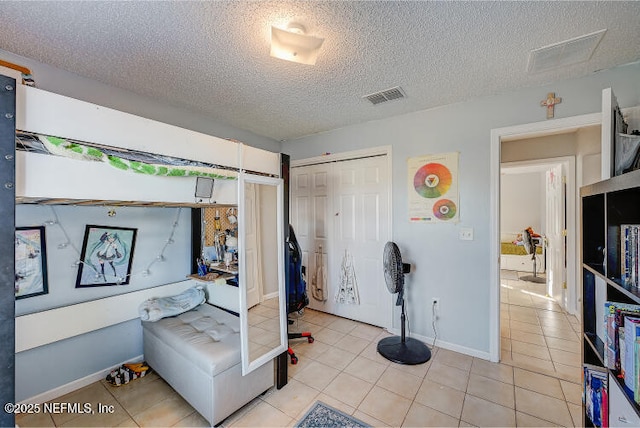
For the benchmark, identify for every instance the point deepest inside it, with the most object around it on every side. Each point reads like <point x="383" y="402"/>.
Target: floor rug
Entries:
<point x="323" y="415"/>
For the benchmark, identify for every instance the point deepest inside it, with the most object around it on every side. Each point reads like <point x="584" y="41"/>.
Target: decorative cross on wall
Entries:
<point x="549" y="103"/>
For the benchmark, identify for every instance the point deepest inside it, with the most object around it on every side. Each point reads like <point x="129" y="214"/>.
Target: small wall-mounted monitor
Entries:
<point x="204" y="187"/>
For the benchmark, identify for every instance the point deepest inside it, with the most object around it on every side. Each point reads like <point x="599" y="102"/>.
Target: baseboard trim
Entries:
<point x="75" y="385"/>
<point x="447" y="345"/>
<point x="271" y="295"/>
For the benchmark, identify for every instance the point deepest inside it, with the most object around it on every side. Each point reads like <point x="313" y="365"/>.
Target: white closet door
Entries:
<point x="345" y="206"/>
<point x="309" y="217"/>
<point x="361" y="227"/>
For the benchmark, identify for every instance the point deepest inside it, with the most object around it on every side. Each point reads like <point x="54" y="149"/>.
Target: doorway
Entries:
<point x="540" y="196"/>
<point x="498" y="136"/>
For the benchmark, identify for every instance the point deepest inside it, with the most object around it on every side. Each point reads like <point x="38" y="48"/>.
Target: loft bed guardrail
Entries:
<point x="77" y="131"/>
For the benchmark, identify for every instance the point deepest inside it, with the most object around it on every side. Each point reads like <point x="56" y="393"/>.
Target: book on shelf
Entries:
<point x="614" y="313"/>
<point x="622" y="354"/>
<point x="636" y="373"/>
<point x="631" y="334"/>
<point x="595" y="395"/>
<point x="629" y="252"/>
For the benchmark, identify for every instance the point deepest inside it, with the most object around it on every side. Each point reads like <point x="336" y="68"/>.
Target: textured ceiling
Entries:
<point x="213" y="57"/>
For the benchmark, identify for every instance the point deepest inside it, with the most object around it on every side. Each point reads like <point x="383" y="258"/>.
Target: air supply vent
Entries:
<point x="572" y="51"/>
<point x="386" y="95"/>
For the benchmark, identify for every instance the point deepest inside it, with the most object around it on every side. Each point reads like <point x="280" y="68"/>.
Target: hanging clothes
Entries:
<point x="348" y="289"/>
<point x="319" y="279"/>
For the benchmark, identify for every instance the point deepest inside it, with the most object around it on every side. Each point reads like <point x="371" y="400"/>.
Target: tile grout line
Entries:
<point x="548" y="348"/>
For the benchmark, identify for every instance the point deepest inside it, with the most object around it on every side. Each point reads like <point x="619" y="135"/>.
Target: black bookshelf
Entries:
<point x="605" y="207"/>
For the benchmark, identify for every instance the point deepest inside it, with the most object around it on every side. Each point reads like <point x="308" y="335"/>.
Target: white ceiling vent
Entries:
<point x="386" y="95"/>
<point x="572" y="51"/>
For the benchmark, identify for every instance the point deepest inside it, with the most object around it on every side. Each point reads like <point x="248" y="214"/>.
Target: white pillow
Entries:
<point x="158" y="308"/>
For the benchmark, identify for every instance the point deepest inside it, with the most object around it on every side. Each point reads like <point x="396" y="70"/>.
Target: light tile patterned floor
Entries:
<point x="536" y="384"/>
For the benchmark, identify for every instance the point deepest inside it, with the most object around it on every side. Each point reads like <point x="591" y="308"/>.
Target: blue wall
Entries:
<point x="458" y="271"/>
<point x="50" y="366"/>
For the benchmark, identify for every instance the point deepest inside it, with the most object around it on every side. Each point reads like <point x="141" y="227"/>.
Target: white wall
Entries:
<point x="458" y="271"/>
<point x="552" y="146"/>
<point x="65" y="83"/>
<point x="522" y="202"/>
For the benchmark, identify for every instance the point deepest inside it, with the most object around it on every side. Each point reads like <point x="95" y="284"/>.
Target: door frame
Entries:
<point x="353" y="155"/>
<point x="529" y="130"/>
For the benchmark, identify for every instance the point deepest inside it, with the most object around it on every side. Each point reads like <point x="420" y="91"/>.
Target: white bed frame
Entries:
<point x="43" y="112"/>
<point x="51" y="178"/>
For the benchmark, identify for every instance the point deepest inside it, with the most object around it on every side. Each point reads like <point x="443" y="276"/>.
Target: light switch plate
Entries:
<point x="466" y="234"/>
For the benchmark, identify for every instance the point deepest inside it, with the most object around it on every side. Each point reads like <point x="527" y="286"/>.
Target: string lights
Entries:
<point x="160" y="257"/>
<point x="118" y="280"/>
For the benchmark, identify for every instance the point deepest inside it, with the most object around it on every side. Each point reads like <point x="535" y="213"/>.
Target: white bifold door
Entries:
<point x="341" y="215"/>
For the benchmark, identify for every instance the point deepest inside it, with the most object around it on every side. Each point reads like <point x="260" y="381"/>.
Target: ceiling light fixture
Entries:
<point x="294" y="45"/>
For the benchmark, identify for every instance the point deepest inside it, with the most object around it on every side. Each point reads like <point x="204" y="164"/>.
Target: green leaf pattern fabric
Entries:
<point x="73" y="150"/>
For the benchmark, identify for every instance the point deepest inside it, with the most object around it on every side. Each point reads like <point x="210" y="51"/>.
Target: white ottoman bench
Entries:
<point x="198" y="354"/>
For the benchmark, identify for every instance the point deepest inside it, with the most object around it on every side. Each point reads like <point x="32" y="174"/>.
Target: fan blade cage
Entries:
<point x="393" y="268"/>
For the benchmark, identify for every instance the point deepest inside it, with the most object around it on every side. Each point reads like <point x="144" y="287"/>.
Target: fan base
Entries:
<point x="532" y="278"/>
<point x="410" y="352"/>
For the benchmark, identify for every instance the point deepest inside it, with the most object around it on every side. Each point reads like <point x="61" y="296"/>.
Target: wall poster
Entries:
<point x="107" y="256"/>
<point x="31" y="262"/>
<point x="433" y="188"/>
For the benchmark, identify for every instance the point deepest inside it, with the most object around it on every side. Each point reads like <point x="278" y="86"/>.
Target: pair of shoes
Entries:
<point x="139" y="369"/>
<point x="119" y="377"/>
<point x="126" y="373"/>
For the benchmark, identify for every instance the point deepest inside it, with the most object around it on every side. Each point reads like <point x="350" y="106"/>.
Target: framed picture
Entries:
<point x="31" y="262"/>
<point x="106" y="256"/>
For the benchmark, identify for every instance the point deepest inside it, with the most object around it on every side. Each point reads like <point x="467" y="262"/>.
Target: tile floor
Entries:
<point x="536" y="384"/>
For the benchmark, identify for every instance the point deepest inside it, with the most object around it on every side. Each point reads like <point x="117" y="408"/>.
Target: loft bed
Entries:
<point x="72" y="173"/>
<point x="68" y="149"/>
<point x="52" y="115"/>
<point x="514" y="256"/>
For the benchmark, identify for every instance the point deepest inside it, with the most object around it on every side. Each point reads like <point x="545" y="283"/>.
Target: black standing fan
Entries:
<point x="530" y="244"/>
<point x="401" y="350"/>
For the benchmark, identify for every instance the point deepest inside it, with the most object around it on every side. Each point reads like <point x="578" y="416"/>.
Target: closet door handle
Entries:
<point x="623" y="419"/>
<point x="337" y="214"/>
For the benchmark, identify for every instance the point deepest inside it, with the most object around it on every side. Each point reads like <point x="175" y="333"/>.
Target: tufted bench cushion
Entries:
<point x="198" y="354"/>
<point x="207" y="336"/>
